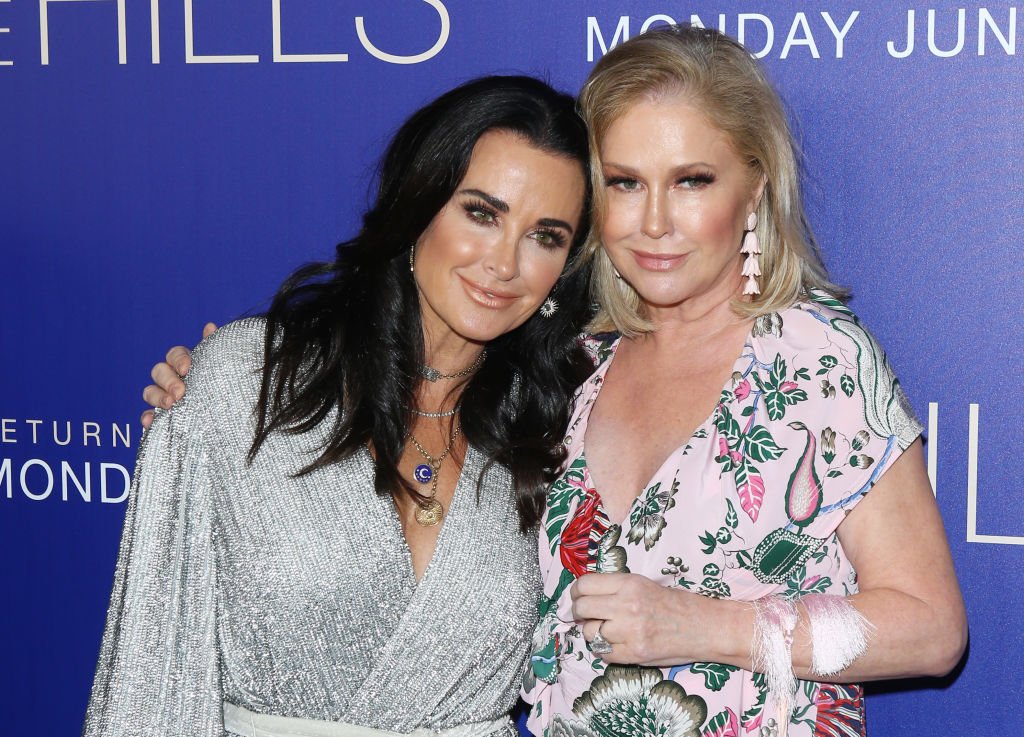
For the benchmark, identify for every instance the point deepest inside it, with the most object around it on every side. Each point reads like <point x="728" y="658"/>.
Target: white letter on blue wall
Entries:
<point x="5" y="62"/>
<point x="840" y="34"/>
<point x="741" y="32"/>
<point x="594" y="31"/>
<point x="192" y="58"/>
<point x="279" y="56"/>
<point x="44" y="30"/>
<point x="1008" y="42"/>
<point x="961" y="22"/>
<point x="909" y="49"/>
<point x="430" y="53"/>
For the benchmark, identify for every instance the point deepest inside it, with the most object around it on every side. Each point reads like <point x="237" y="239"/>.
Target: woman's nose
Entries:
<point x="503" y="259"/>
<point x="657" y="222"/>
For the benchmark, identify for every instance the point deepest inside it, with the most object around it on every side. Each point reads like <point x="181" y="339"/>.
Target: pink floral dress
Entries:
<point x="747" y="507"/>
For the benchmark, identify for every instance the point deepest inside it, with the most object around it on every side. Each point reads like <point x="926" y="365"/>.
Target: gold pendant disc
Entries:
<point x="430" y="513"/>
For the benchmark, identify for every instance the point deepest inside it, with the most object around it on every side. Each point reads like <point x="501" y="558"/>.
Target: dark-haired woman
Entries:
<point x="326" y="536"/>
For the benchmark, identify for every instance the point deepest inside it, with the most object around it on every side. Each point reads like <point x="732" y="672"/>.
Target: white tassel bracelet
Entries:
<point x="839" y="633"/>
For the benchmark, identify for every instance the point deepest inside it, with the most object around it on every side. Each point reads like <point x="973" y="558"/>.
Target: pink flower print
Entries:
<point x="575" y="546"/>
<point x="723" y="447"/>
<point x="809" y="582"/>
<point x="742" y="390"/>
<point x="787" y="386"/>
<point x="736" y="456"/>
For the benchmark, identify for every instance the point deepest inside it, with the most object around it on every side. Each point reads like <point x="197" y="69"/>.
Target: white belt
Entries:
<point x="240" y="721"/>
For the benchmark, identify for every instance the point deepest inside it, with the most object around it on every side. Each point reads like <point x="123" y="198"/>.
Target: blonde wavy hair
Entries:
<point x="733" y="93"/>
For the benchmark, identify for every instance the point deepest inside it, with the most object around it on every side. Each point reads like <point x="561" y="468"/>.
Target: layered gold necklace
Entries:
<point x="430" y="512"/>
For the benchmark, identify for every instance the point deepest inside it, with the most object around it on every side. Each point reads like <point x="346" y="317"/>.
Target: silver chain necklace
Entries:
<point x="450" y="413"/>
<point x="431" y="374"/>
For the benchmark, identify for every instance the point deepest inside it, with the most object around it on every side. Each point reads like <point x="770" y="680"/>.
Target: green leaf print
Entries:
<point x="715" y="588"/>
<point x="762" y="693"/>
<point x="775" y="403"/>
<point x="568" y="487"/>
<point x="778" y="372"/>
<point x="810" y="690"/>
<point x="709" y="542"/>
<point x="731" y="518"/>
<point x="716" y="725"/>
<point x="829" y="361"/>
<point x="761" y="446"/>
<point x="715" y="674"/>
<point x="846" y="384"/>
<point x="647" y="519"/>
<point x="793" y="396"/>
<point x="821" y="297"/>
<point x="730" y="428"/>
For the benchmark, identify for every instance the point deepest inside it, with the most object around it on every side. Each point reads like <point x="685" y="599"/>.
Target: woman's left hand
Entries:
<point x="646" y="623"/>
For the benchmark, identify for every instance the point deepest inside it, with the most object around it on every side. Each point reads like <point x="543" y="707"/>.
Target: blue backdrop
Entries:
<point x="167" y="163"/>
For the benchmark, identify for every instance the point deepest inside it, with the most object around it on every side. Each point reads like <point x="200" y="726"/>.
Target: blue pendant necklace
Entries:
<point x="431" y="511"/>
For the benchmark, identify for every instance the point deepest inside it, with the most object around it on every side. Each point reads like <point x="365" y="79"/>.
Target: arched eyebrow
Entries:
<point x="501" y="206"/>
<point x="555" y="223"/>
<point x="630" y="171"/>
<point x="498" y="204"/>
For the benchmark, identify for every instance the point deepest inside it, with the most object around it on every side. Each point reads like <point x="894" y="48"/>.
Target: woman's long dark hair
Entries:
<point x="347" y="334"/>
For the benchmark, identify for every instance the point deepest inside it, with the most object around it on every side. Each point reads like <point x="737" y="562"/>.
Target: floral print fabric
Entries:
<point x="747" y="507"/>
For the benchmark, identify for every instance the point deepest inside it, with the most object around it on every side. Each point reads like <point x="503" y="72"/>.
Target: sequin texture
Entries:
<point x="296" y="595"/>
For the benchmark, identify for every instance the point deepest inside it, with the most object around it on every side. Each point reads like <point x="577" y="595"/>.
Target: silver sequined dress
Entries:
<point x="296" y="596"/>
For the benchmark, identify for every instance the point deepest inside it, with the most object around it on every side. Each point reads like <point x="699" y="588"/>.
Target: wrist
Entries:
<point x="721" y="632"/>
<point x="729" y="627"/>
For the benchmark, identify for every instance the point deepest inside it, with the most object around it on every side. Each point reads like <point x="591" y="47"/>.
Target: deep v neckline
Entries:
<point x="452" y="515"/>
<point x="597" y="381"/>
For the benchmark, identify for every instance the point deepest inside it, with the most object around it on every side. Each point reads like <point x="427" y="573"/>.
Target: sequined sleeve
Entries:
<point x="158" y="672"/>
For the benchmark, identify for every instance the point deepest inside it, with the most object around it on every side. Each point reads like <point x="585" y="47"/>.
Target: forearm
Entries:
<point x="906" y="637"/>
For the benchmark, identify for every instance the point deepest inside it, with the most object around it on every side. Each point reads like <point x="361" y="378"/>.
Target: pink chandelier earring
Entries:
<point x="751" y="247"/>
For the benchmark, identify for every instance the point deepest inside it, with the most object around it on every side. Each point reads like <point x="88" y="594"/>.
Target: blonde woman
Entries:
<point x="744" y="529"/>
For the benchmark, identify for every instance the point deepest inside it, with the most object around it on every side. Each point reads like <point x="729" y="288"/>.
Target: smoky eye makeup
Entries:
<point x="479" y="211"/>
<point x="550" y="238"/>
<point x="621" y="182"/>
<point x="697" y="178"/>
<point x="549" y="233"/>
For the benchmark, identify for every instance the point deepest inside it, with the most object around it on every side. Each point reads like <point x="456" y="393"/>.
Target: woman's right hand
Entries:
<point x="168" y="387"/>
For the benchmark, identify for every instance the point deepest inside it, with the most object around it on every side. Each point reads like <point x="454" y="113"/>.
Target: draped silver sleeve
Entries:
<point x="294" y="594"/>
<point x="158" y="672"/>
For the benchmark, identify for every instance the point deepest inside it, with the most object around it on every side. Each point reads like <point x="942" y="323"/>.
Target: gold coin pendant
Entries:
<point x="430" y="513"/>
